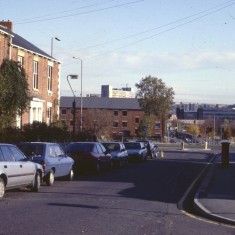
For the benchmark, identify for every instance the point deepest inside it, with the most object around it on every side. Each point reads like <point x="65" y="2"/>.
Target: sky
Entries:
<point x="188" y="44"/>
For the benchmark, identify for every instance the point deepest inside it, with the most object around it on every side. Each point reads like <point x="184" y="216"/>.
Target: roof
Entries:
<point x="19" y="41"/>
<point x="101" y="103"/>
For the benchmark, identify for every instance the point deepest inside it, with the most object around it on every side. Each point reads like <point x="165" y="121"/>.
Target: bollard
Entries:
<point x="182" y="145"/>
<point x="206" y="145"/>
<point x="161" y="153"/>
<point x="225" y="153"/>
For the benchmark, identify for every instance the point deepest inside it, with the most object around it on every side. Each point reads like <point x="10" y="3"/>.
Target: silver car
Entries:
<point x="16" y="171"/>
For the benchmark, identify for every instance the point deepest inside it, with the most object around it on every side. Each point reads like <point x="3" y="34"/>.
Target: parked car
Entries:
<point x="152" y="150"/>
<point x="136" y="151"/>
<point x="52" y="158"/>
<point x="89" y="156"/>
<point x="16" y="171"/>
<point x="118" y="152"/>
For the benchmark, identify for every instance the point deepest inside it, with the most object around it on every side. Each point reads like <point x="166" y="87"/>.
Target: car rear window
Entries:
<point x="31" y="149"/>
<point x="79" y="147"/>
<point x="131" y="145"/>
<point x="112" y="146"/>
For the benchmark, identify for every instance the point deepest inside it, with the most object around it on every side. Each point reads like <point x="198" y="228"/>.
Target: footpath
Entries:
<point x="215" y="198"/>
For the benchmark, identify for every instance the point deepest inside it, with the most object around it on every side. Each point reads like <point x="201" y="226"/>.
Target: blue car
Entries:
<point x="52" y="158"/>
<point x="137" y="151"/>
<point x="118" y="152"/>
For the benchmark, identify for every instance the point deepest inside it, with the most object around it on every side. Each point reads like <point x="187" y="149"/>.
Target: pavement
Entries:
<point x="215" y="198"/>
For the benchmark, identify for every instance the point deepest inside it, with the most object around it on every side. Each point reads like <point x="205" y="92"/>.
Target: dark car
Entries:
<point x="118" y="152"/>
<point x="89" y="156"/>
<point x="152" y="150"/>
<point x="137" y="151"/>
<point x="52" y="158"/>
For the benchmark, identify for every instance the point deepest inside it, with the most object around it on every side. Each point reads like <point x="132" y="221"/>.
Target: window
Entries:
<point x="157" y="125"/>
<point x="115" y="113"/>
<point x="124" y="124"/>
<point x="137" y="120"/>
<point x="115" y="124"/>
<point x="49" y="79"/>
<point x="124" y="113"/>
<point x="35" y="74"/>
<point x="21" y="60"/>
<point x="8" y="156"/>
<point x="58" y="151"/>
<point x="17" y="154"/>
<point x="63" y="111"/>
<point x="49" y="115"/>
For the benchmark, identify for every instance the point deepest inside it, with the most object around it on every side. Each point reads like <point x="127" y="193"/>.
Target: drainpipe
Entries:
<point x="10" y="47"/>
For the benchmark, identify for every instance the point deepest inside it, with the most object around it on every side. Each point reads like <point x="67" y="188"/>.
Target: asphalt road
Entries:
<point x="139" y="199"/>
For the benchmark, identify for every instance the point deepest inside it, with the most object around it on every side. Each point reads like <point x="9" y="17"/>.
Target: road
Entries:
<point x="140" y="199"/>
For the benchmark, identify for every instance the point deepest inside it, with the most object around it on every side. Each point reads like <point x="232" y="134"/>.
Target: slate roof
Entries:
<point x="101" y="103"/>
<point x="19" y="41"/>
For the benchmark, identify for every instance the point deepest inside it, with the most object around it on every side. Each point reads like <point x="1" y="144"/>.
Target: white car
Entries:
<point x="16" y="171"/>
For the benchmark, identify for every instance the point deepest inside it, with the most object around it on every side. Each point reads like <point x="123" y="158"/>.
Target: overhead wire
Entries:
<point x="162" y="32"/>
<point x="153" y="29"/>
<point x="61" y="12"/>
<point x="81" y="13"/>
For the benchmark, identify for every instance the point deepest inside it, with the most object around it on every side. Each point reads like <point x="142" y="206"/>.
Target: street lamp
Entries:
<point x="80" y="93"/>
<point x="52" y="39"/>
<point x="73" y="76"/>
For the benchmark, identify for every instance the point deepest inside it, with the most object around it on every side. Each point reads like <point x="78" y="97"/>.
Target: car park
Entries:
<point x="89" y="156"/>
<point x="51" y="156"/>
<point x="152" y="150"/>
<point x="16" y="171"/>
<point x="118" y="152"/>
<point x="137" y="151"/>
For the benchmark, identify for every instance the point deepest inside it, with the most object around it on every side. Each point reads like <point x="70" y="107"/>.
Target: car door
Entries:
<point x="104" y="157"/>
<point x="52" y="159"/>
<point x="64" y="165"/>
<point x="27" y="168"/>
<point x="11" y="167"/>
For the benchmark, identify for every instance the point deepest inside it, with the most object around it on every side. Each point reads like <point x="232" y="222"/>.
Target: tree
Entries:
<point x="194" y="130"/>
<point x="14" y="92"/>
<point x="98" y="122"/>
<point x="155" y="98"/>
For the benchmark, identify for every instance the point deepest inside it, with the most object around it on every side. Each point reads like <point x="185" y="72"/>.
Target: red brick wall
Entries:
<point x="42" y="92"/>
<point x="4" y="47"/>
<point x="105" y="115"/>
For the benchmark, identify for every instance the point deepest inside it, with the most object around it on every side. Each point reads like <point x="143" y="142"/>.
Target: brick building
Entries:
<point x="116" y="116"/>
<point x="42" y="71"/>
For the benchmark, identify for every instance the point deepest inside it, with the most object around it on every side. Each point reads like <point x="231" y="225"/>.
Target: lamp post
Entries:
<point x="80" y="94"/>
<point x="52" y="39"/>
<point x="73" y="76"/>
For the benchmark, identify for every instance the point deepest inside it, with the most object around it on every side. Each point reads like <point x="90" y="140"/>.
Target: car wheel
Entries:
<point x="37" y="182"/>
<point x="2" y="188"/>
<point x="50" y="178"/>
<point x="70" y="176"/>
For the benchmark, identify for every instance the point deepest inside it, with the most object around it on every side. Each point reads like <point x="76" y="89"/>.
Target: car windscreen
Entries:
<point x="30" y="150"/>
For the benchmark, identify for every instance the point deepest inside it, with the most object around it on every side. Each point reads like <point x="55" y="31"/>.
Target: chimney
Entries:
<point x="8" y="24"/>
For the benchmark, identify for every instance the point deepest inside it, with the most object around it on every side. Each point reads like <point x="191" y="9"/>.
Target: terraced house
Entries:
<point x="42" y="71"/>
